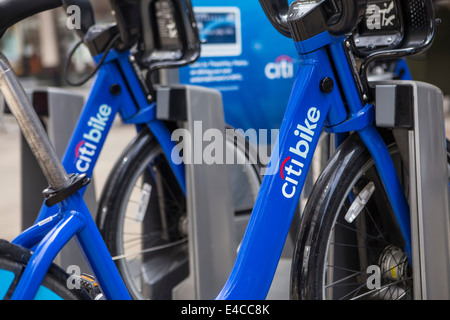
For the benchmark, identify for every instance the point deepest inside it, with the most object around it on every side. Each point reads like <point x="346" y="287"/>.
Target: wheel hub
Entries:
<point x="394" y="264"/>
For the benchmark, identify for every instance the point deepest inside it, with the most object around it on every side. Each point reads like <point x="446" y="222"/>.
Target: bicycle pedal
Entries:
<point x="89" y="284"/>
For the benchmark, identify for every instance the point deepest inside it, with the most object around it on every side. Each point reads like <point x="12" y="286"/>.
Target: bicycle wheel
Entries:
<point x="13" y="260"/>
<point x="142" y="216"/>
<point x="332" y="253"/>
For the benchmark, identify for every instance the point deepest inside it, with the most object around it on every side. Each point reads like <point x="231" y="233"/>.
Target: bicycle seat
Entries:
<point x="13" y="11"/>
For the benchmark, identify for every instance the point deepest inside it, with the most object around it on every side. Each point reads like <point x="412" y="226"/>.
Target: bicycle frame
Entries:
<point x="309" y="111"/>
<point x="55" y="226"/>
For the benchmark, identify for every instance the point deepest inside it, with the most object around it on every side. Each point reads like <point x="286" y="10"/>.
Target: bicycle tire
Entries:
<point x="173" y="255"/>
<point x="13" y="260"/>
<point x="331" y="256"/>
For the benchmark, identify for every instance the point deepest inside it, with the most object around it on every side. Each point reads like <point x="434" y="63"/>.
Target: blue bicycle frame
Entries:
<point x="309" y="111"/>
<point x="56" y="225"/>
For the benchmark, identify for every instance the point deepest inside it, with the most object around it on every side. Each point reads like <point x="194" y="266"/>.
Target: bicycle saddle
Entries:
<point x="13" y="11"/>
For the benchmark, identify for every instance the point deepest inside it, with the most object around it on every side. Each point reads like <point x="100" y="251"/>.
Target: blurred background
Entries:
<point x="37" y="47"/>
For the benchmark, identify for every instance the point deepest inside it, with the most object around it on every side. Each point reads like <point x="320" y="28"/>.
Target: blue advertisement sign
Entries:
<point x="245" y="58"/>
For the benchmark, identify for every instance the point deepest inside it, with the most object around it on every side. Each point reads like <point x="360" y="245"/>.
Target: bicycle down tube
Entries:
<point x="310" y="109"/>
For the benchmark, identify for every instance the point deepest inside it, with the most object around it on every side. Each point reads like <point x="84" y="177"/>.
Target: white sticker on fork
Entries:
<point x="41" y="223"/>
<point x="143" y="201"/>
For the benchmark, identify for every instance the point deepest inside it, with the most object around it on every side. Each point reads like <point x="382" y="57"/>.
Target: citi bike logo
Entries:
<point x="282" y="68"/>
<point x="378" y="18"/>
<point x="292" y="167"/>
<point x="87" y="148"/>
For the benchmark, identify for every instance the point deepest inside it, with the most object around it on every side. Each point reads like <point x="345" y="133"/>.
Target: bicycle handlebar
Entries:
<point x="277" y="12"/>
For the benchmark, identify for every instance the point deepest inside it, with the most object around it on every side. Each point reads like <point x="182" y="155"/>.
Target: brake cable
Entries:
<point x="86" y="79"/>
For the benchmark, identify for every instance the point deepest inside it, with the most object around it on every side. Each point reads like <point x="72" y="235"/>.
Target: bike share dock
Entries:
<point x="416" y="110"/>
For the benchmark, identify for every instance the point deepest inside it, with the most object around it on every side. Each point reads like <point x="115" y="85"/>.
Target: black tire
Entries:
<point x="13" y="260"/>
<point x="162" y="222"/>
<point x="331" y="256"/>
